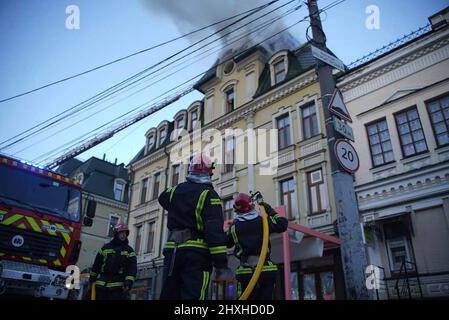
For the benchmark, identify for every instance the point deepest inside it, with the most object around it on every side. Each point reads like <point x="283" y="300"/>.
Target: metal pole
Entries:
<point x="352" y="248"/>
<point x="286" y="248"/>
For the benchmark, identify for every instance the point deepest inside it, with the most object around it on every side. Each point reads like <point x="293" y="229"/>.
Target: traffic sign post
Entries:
<point x="343" y="129"/>
<point x="347" y="156"/>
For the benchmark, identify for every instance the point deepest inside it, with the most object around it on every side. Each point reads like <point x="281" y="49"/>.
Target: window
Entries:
<point x="157" y="180"/>
<point x="309" y="121"/>
<point x="193" y="118"/>
<point x="175" y="174"/>
<point x="150" y="242"/>
<point x="162" y="136"/>
<point x="288" y="197"/>
<point x="439" y="116"/>
<point x="279" y="70"/>
<point x="283" y="126"/>
<point x="379" y="142"/>
<point x="229" y="155"/>
<point x="181" y="123"/>
<point x="317" y="192"/>
<point x="113" y="220"/>
<point x="119" y="188"/>
<point x="398" y="245"/>
<point x="150" y="142"/>
<point x="228" y="209"/>
<point x="143" y="191"/>
<point x="138" y="239"/>
<point x="230" y="96"/>
<point x="79" y="178"/>
<point x="410" y="133"/>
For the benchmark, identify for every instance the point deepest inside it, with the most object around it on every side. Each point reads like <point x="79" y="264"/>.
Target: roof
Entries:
<point x="141" y="154"/>
<point x="98" y="175"/>
<point x="299" y="61"/>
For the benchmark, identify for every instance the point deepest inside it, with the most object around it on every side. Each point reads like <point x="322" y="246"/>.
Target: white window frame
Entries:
<point x="281" y="55"/>
<point x="409" y="255"/>
<point x="296" y="193"/>
<point x="282" y="112"/>
<point x="150" y="133"/>
<point x="305" y="171"/>
<point x="120" y="181"/>
<point x="154" y="237"/>
<point x="79" y="177"/>
<point x="305" y="102"/>
<point x="228" y="85"/>
<point x="153" y="181"/>
<point x="141" y="187"/>
<point x="112" y="215"/>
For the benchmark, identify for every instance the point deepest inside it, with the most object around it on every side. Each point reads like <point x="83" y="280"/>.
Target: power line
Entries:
<point x="234" y="40"/>
<point x="106" y="136"/>
<point x="127" y="56"/>
<point x="107" y="93"/>
<point x="121" y="85"/>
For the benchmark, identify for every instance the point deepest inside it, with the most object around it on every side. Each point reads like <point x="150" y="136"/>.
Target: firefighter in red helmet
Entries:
<point x="246" y="234"/>
<point x="115" y="267"/>
<point x="196" y="241"/>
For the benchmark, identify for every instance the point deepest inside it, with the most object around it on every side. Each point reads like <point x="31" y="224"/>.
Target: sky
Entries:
<point x="37" y="48"/>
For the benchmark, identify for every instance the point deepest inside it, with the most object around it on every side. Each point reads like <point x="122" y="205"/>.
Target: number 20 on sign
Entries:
<point x="346" y="155"/>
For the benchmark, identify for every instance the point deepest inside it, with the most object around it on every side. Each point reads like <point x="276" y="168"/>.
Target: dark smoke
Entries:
<point x="189" y="15"/>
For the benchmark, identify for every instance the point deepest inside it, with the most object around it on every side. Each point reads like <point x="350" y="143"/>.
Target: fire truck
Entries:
<point x="40" y="224"/>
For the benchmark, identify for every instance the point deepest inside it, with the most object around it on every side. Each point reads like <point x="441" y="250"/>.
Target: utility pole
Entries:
<point x="352" y="247"/>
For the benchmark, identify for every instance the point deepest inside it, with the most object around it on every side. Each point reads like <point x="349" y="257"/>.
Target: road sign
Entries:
<point x="338" y="107"/>
<point x="327" y="58"/>
<point x="346" y="155"/>
<point x="343" y="129"/>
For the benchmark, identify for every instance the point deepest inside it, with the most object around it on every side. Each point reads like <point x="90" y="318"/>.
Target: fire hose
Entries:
<point x="263" y="253"/>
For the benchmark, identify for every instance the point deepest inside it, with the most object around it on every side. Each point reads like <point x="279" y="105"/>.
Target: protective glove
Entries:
<point x="127" y="285"/>
<point x="224" y="274"/>
<point x="268" y="209"/>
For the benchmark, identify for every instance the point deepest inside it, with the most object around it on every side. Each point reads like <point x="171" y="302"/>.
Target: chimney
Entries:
<point x="115" y="162"/>
<point x="440" y="19"/>
<point x="104" y="156"/>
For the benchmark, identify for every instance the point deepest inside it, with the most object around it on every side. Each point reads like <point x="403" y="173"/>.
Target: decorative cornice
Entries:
<point x="365" y="75"/>
<point x="253" y="106"/>
<point x="106" y="201"/>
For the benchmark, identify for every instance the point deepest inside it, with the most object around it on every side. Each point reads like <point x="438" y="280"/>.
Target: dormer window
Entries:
<point x="79" y="178"/>
<point x="119" y="190"/>
<point x="162" y="136"/>
<point x="279" y="71"/>
<point x="193" y="118"/>
<point x="150" y="142"/>
<point x="180" y="123"/>
<point x="229" y="96"/>
<point x="278" y="67"/>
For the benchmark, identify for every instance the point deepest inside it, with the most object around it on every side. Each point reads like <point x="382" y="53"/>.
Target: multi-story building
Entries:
<point x="399" y="102"/>
<point x="107" y="183"/>
<point x="256" y="91"/>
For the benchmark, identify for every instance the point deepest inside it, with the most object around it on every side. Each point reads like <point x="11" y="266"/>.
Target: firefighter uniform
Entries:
<point x="114" y="269"/>
<point x="247" y="237"/>
<point x="196" y="240"/>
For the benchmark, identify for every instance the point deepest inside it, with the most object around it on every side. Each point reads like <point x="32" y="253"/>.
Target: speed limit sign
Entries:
<point x="346" y="155"/>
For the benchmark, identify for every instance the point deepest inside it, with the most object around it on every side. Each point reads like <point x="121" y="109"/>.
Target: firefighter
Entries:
<point x="115" y="267"/>
<point x="246" y="234"/>
<point x="196" y="240"/>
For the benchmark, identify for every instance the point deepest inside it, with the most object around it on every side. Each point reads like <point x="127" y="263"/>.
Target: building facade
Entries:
<point x="254" y="98"/>
<point x="399" y="103"/>
<point x="107" y="183"/>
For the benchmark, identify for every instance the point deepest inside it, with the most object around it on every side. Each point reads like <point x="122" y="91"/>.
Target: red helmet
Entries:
<point x="243" y="203"/>
<point x="201" y="163"/>
<point x="121" y="227"/>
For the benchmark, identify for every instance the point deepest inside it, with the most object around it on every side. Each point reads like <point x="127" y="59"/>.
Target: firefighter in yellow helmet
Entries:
<point x="115" y="267"/>
<point x="196" y="241"/>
